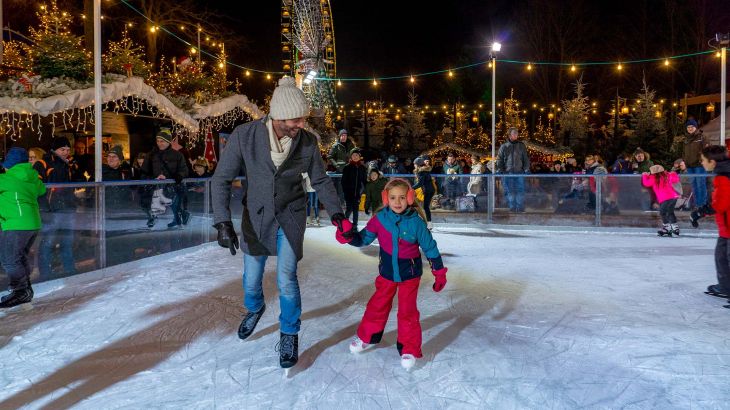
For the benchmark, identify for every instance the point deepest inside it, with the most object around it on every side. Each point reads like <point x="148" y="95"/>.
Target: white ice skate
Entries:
<point x="408" y="361"/>
<point x="429" y="225"/>
<point x="358" y="346"/>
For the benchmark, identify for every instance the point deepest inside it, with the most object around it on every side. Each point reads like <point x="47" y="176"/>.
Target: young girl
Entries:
<point x="662" y="182"/>
<point x="400" y="229"/>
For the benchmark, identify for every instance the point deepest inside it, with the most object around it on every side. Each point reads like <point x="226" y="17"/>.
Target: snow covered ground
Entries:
<point x="527" y="320"/>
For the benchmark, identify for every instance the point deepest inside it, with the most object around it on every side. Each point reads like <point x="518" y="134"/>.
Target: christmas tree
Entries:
<point x="219" y="82"/>
<point x="511" y="117"/>
<point x="125" y="57"/>
<point x="574" y="116"/>
<point x="15" y="58"/>
<point x="56" y="52"/>
<point x="647" y="122"/>
<point x="413" y="128"/>
<point x="543" y="133"/>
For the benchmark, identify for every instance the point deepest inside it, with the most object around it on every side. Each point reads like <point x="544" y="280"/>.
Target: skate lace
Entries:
<point x="286" y="346"/>
<point x="250" y="319"/>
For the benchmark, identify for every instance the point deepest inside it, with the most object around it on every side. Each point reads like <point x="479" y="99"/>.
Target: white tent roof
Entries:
<point x="712" y="128"/>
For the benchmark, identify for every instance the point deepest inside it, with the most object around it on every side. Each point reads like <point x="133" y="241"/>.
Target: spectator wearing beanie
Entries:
<point x="58" y="230"/>
<point x="273" y="152"/>
<point x="163" y="162"/>
<point x="694" y="143"/>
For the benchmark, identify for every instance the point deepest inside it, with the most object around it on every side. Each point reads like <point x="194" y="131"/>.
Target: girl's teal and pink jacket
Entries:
<point x="400" y="236"/>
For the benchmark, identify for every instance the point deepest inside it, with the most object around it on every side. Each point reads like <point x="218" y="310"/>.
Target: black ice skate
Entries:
<point x="249" y="322"/>
<point x="17" y="298"/>
<point x="694" y="217"/>
<point x="665" y="231"/>
<point x="716" y="290"/>
<point x="288" y="348"/>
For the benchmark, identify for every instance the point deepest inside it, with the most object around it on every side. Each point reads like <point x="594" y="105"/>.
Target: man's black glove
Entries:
<point x="227" y="237"/>
<point x="343" y="225"/>
<point x="178" y="178"/>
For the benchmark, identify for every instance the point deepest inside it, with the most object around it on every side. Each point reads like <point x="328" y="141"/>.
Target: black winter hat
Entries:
<point x="60" y="142"/>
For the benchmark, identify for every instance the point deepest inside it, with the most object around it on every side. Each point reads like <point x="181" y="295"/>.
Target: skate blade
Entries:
<point x="717" y="295"/>
<point x="286" y="373"/>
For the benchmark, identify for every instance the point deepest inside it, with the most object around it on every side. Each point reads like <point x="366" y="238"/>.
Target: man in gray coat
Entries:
<point x="273" y="153"/>
<point x="513" y="159"/>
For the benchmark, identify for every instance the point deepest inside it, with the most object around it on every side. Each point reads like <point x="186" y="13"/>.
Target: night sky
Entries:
<point x="381" y="38"/>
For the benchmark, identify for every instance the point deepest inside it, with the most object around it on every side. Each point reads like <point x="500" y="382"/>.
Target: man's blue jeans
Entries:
<point x="514" y="192"/>
<point x="290" y="301"/>
<point x="699" y="185"/>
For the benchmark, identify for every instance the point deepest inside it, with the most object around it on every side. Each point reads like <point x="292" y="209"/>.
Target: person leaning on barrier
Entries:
<point x="60" y="204"/>
<point x="163" y="162"/>
<point x="273" y="153"/>
<point x="693" y="144"/>
<point x="512" y="158"/>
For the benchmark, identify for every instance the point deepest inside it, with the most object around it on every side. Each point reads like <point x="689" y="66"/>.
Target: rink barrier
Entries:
<point x="107" y="226"/>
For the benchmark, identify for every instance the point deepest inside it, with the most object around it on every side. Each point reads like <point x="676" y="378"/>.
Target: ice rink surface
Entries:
<point x="537" y="320"/>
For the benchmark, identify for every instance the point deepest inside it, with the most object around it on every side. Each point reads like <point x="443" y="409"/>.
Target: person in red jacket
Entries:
<point x="715" y="158"/>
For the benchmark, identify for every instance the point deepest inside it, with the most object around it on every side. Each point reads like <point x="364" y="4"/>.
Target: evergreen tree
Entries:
<point x="543" y="133"/>
<point x="511" y="117"/>
<point x="573" y="118"/>
<point x="125" y="57"/>
<point x="413" y="127"/>
<point x="647" y="122"/>
<point x="15" y="59"/>
<point x="56" y="52"/>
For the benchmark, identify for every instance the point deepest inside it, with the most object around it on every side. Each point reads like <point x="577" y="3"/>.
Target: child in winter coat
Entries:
<point x="400" y="229"/>
<point x="20" y="221"/>
<point x="376" y="184"/>
<point x="663" y="183"/>
<point x="715" y="158"/>
<point x="425" y="182"/>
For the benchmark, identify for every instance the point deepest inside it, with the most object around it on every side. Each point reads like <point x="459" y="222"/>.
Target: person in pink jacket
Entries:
<point x="666" y="186"/>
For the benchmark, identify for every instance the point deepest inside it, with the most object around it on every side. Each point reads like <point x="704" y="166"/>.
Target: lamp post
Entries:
<point x="723" y="92"/>
<point x="97" y="91"/>
<point x="496" y="47"/>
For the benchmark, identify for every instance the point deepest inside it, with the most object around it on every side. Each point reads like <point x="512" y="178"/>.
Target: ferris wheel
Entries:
<point x="308" y="48"/>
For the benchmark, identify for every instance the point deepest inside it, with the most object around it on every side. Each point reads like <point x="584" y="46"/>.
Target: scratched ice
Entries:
<point x="527" y="320"/>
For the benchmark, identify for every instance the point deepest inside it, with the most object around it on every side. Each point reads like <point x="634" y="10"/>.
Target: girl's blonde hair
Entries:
<point x="39" y="152"/>
<point x="402" y="183"/>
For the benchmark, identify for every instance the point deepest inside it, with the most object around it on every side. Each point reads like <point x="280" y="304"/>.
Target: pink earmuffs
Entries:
<point x="410" y="195"/>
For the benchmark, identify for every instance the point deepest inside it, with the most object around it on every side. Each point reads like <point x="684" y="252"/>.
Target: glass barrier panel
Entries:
<point x="69" y="241"/>
<point x="146" y="219"/>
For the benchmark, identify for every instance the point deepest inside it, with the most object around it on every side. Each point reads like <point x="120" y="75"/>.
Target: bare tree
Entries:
<point x="173" y="14"/>
<point x="555" y="31"/>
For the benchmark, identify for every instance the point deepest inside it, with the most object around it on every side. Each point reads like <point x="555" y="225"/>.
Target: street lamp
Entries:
<point x="496" y="47"/>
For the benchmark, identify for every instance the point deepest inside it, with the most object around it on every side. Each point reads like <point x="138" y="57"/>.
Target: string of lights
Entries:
<point x="528" y="64"/>
<point x="574" y="66"/>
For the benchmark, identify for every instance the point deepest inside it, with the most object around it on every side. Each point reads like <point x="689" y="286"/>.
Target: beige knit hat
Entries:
<point x="656" y="169"/>
<point x="288" y="101"/>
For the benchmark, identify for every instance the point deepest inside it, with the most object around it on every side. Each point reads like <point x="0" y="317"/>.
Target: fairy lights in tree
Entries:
<point x="126" y="57"/>
<point x="56" y="52"/>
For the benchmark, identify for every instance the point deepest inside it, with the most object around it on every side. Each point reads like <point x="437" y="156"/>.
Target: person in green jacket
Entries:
<point x="20" y="221"/>
<point x="373" y="188"/>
